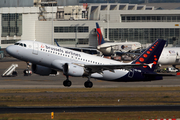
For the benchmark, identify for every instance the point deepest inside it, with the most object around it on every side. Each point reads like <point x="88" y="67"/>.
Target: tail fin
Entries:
<point x="151" y="55"/>
<point x="57" y="43"/>
<point x="99" y="35"/>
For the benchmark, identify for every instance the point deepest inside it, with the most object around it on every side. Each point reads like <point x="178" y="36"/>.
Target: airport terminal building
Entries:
<point x="74" y="25"/>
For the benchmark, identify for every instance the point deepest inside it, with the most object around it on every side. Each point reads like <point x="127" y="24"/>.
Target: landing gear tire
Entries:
<point x="27" y="72"/>
<point x="14" y="73"/>
<point x="67" y="83"/>
<point x="88" y="84"/>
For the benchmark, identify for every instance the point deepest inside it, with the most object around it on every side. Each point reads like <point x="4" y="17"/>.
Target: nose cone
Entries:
<point x="10" y="50"/>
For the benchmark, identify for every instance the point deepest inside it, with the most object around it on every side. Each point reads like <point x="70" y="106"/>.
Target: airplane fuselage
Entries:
<point x="170" y="56"/>
<point x="55" y="57"/>
<point x="110" y="48"/>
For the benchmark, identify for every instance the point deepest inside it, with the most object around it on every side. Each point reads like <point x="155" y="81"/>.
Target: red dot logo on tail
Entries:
<point x="145" y="55"/>
<point x="141" y="59"/>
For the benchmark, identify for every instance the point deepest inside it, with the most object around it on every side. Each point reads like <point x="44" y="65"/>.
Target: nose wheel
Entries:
<point x="27" y="72"/>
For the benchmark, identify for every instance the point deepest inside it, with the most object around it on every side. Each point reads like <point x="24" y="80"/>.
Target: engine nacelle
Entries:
<point x="73" y="70"/>
<point x="42" y="70"/>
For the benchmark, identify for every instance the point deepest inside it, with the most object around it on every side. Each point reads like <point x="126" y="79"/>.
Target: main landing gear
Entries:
<point x="68" y="83"/>
<point x="88" y="83"/>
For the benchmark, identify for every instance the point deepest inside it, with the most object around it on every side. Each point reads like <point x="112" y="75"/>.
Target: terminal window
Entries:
<point x="72" y="41"/>
<point x="175" y="18"/>
<point x="143" y="35"/>
<point x="11" y="25"/>
<point x="68" y="29"/>
<point x="9" y="41"/>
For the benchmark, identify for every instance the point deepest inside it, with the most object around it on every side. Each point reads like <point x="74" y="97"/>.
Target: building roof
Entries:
<point x="169" y="6"/>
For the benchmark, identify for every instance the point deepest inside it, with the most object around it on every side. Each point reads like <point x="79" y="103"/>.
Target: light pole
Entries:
<point x="107" y="19"/>
<point x="76" y="35"/>
<point x="52" y="26"/>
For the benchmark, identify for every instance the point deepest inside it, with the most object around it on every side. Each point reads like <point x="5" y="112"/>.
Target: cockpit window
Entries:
<point x="16" y="44"/>
<point x="21" y="44"/>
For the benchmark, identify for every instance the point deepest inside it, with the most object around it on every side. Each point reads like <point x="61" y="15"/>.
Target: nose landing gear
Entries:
<point x="27" y="72"/>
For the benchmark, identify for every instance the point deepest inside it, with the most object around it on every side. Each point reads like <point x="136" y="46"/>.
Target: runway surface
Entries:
<point x="36" y="81"/>
<point x="88" y="109"/>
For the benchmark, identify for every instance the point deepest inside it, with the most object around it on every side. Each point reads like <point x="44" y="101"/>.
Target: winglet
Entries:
<point x="99" y="35"/>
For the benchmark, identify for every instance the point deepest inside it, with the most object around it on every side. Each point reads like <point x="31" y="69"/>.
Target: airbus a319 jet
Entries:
<point x="47" y="59"/>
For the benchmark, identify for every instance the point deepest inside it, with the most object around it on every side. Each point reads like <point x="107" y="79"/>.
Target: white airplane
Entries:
<point x="170" y="56"/>
<point x="110" y="48"/>
<point x="47" y="59"/>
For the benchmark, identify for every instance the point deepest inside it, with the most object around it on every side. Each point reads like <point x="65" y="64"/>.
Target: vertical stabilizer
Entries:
<point x="99" y="35"/>
<point x="151" y="55"/>
<point x="57" y="43"/>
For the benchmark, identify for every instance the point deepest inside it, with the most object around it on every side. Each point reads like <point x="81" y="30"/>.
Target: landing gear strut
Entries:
<point x="67" y="82"/>
<point x="88" y="83"/>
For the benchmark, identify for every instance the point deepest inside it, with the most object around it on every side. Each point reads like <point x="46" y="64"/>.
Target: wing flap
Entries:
<point x="112" y="67"/>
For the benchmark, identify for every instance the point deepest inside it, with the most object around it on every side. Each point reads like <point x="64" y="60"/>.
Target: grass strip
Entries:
<point x="94" y="116"/>
<point x="91" y="97"/>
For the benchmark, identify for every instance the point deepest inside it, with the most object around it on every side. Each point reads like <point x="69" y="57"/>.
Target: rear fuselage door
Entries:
<point x="35" y="48"/>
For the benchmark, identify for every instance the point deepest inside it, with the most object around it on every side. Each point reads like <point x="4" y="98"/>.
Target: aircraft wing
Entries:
<point x="90" y="50"/>
<point x="126" y="53"/>
<point x="102" y="47"/>
<point x="100" y="68"/>
<point x="131" y="52"/>
<point x="58" y="64"/>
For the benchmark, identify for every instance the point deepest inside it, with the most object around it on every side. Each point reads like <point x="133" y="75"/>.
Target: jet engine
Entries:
<point x="73" y="70"/>
<point x="42" y="70"/>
